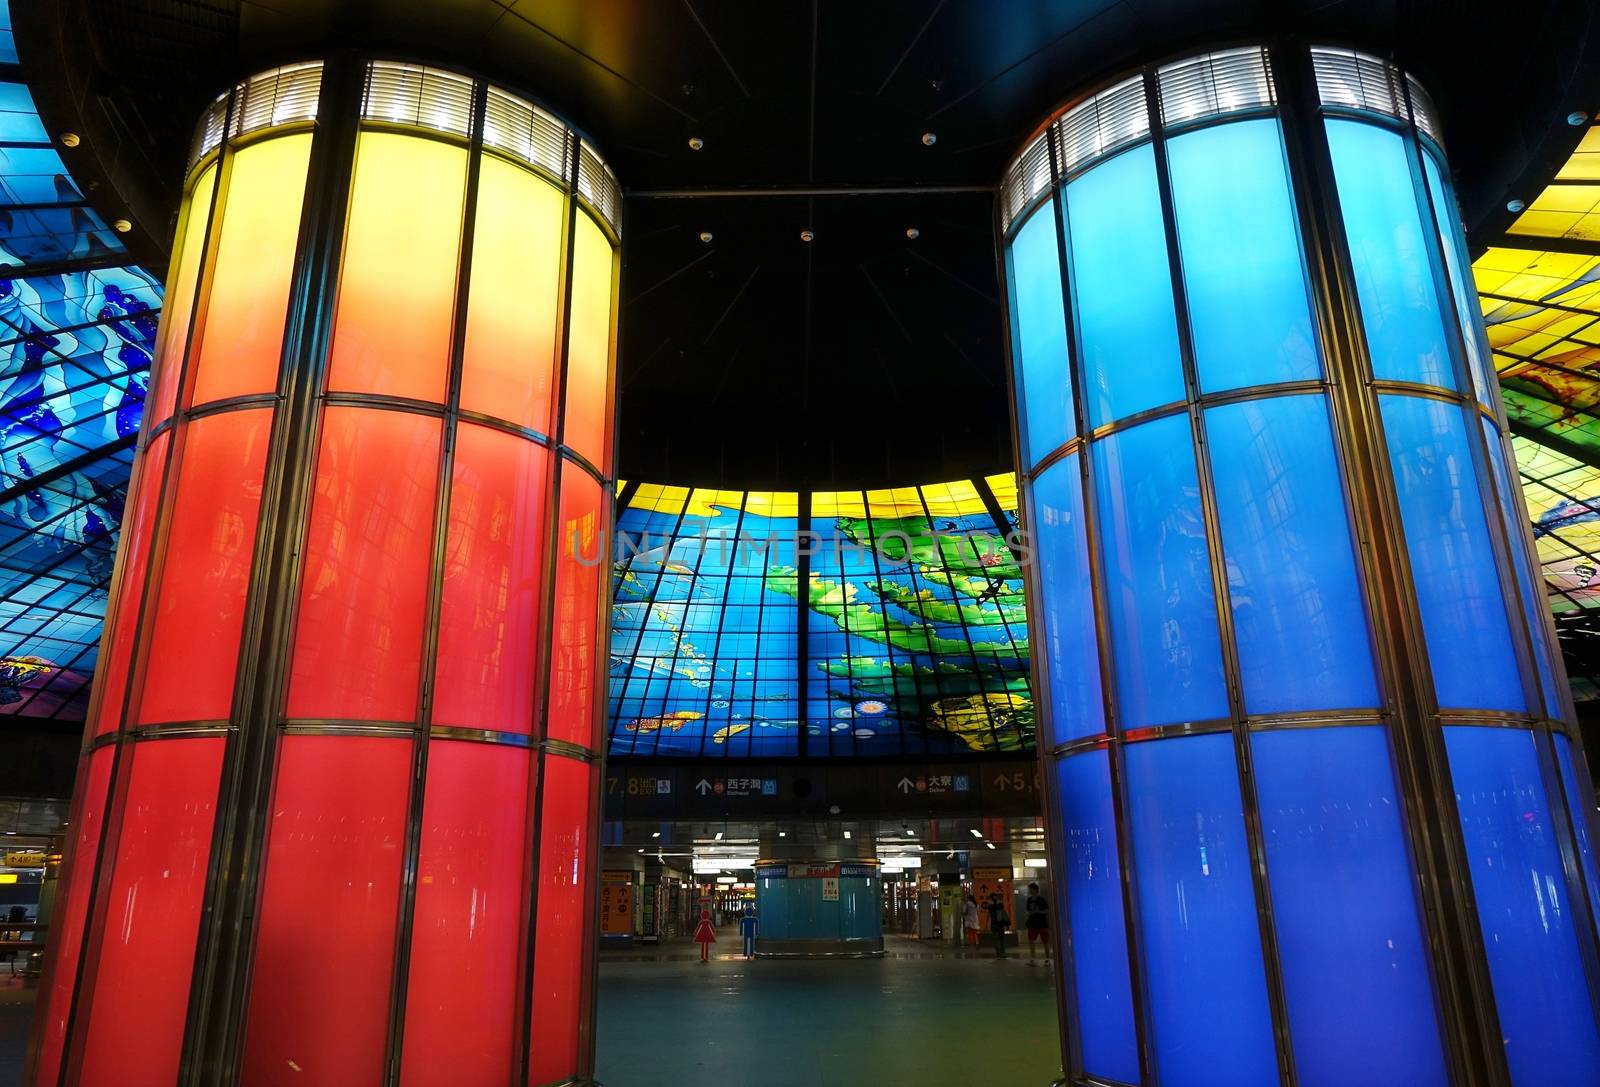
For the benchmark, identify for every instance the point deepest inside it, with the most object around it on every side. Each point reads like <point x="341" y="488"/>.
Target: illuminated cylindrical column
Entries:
<point x="336" y="813"/>
<point x="1313" y="771"/>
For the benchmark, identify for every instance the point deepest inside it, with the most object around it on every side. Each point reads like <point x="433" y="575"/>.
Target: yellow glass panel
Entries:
<point x="837" y="504"/>
<point x="659" y="499"/>
<point x="242" y="341"/>
<point x="1584" y="165"/>
<point x="514" y="296"/>
<point x="179" y="304"/>
<point x="584" y="427"/>
<point x="1004" y="487"/>
<point x="772" y="503"/>
<point x="397" y="283"/>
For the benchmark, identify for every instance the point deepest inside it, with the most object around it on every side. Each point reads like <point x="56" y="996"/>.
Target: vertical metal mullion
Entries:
<point x="883" y="610"/>
<point x="1266" y="923"/>
<point x="1461" y="983"/>
<point x="722" y="614"/>
<point x="802" y="626"/>
<point x="428" y="672"/>
<point x="966" y="630"/>
<point x="650" y="604"/>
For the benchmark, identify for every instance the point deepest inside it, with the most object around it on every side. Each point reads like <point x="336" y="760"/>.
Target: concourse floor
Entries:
<point x="917" y="1016"/>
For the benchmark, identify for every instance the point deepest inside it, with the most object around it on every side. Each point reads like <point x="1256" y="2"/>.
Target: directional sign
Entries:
<point x="703" y="787"/>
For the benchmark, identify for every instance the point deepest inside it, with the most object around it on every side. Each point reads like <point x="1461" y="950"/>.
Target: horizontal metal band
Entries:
<point x="105" y="739"/>
<point x="568" y="749"/>
<point x="572" y="455"/>
<point x="1475" y="720"/>
<point x="1383" y="386"/>
<point x="1283" y="722"/>
<point x="1083" y="743"/>
<point x="173" y="729"/>
<point x="232" y="403"/>
<point x="349" y="728"/>
<point x="1186" y="728"/>
<point x="507" y="425"/>
<point x="480" y="736"/>
<point x="382" y="402"/>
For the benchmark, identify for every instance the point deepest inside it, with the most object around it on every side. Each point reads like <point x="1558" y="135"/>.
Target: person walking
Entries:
<point x="1036" y="913"/>
<point x="999" y="922"/>
<point x="969" y="919"/>
<point x="705" y="934"/>
<point x="747" y="929"/>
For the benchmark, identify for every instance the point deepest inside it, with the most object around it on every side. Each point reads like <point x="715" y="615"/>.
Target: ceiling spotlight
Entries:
<point x="1514" y="206"/>
<point x="975" y="833"/>
<point x="806" y="235"/>
<point x="1577" y="118"/>
<point x="696" y="143"/>
<point x="705" y="235"/>
<point x="69" y="139"/>
<point x="847" y="834"/>
<point x="989" y="844"/>
<point x="929" y="139"/>
<point x="783" y="833"/>
<point x="913" y="233"/>
<point x="657" y="834"/>
<point x="121" y="226"/>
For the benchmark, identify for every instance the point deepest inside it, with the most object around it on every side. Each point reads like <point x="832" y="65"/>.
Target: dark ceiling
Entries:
<point x="864" y="357"/>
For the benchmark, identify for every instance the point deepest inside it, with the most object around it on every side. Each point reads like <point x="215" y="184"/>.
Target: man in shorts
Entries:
<point x="1036" y="911"/>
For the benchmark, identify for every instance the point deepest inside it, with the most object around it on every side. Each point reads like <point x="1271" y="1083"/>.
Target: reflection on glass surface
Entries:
<point x="1464" y="614"/>
<point x="1099" y="933"/>
<point x="575" y="618"/>
<point x="1242" y="272"/>
<point x="1126" y="325"/>
<point x="1350" y="940"/>
<point x="1453" y="244"/>
<point x="1207" y="989"/>
<point x="1297" y="613"/>
<point x="1389" y="252"/>
<point x="1583" y="821"/>
<point x="1156" y="564"/>
<point x="1039" y="334"/>
<point x="1067" y="603"/>
<point x="140" y="521"/>
<point x="584" y="424"/>
<point x="1524" y="907"/>
<point x="559" y="954"/>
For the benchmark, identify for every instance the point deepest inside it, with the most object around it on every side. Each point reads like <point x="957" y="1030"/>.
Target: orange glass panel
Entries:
<point x="364" y="585"/>
<point x="140" y="989"/>
<point x="512" y="305"/>
<point x="66" y="935"/>
<point x="489" y="615"/>
<point x="111" y="680"/>
<point x="466" y="969"/>
<point x="243" y="334"/>
<point x="179" y="302"/>
<point x="199" y="604"/>
<point x="589" y="352"/>
<point x="319" y="993"/>
<point x="563" y="941"/>
<point x="397" y="283"/>
<point x="575" y="630"/>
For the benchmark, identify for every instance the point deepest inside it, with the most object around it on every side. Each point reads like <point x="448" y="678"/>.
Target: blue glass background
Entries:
<point x="1067" y="622"/>
<point x="1350" y="940"/>
<point x="1166" y="647"/>
<point x="1208" y="992"/>
<point x="1248" y="310"/>
<point x="1579" y="808"/>
<point x="1464" y="616"/>
<point x="1400" y="307"/>
<point x="1040" y="333"/>
<point x="1126" y="326"/>
<point x="1099" y="933"/>
<point x="1524" y="907"/>
<point x="1458" y="265"/>
<point x="1296" y="599"/>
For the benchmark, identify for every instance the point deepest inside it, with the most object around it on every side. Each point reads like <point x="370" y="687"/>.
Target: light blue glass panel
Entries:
<point x="1062" y="555"/>
<point x="1524" y="907"/>
<point x="1242" y="270"/>
<point x="1157" y="576"/>
<point x="1202" y="945"/>
<point x="1458" y="265"/>
<point x="1532" y="596"/>
<point x="1581" y="805"/>
<point x="1389" y="251"/>
<point x="1464" y="614"/>
<point x="1099" y="933"/>
<point x="1039" y="331"/>
<point x="1350" y="941"/>
<point x="1123" y="284"/>
<point x="1297" y="612"/>
<point x="19" y="120"/>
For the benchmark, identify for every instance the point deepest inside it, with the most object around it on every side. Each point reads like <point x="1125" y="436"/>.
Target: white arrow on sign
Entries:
<point x="703" y="788"/>
<point x="904" y="785"/>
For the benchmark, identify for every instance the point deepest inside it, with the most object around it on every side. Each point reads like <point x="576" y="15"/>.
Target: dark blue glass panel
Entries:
<point x="1580" y="803"/>
<point x="1464" y="614"/>
<point x="1126" y="325"/>
<point x="1458" y="266"/>
<point x="1532" y="599"/>
<point x="1242" y="270"/>
<point x="1208" y="992"/>
<point x="1157" y="576"/>
<point x="1039" y="330"/>
<point x="1389" y="251"/>
<point x="1524" y="907"/>
<point x="1070" y="642"/>
<point x="1296" y="599"/>
<point x="1350" y="940"/>
<point x="1099" y="933"/>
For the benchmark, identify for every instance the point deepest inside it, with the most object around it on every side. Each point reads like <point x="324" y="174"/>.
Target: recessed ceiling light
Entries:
<point x="913" y="233"/>
<point x="976" y="833"/>
<point x="806" y="235"/>
<point x="929" y="139"/>
<point x="1516" y="205"/>
<point x="706" y="235"/>
<point x="69" y="139"/>
<point x="1577" y="118"/>
<point x="847" y="834"/>
<point x="121" y="226"/>
<point x="696" y="143"/>
<point x="783" y="833"/>
<point x="989" y="844"/>
<point x="657" y="834"/>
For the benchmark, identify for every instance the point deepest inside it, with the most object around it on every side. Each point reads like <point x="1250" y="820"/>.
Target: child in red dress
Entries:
<point x="705" y="935"/>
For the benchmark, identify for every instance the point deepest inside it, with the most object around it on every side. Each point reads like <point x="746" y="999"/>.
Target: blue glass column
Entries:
<point x="1308" y="747"/>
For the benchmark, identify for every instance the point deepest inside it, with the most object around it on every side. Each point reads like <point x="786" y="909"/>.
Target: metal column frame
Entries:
<point x="1460" y="970"/>
<point x="802" y="630"/>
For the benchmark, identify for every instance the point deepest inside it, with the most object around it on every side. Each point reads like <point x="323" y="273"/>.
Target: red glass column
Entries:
<point x="337" y="812"/>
